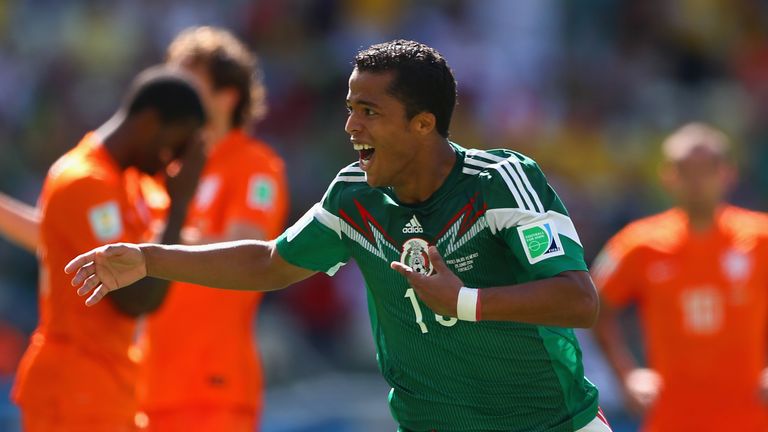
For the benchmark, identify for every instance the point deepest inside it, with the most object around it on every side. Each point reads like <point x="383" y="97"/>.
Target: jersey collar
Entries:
<point x="453" y="178"/>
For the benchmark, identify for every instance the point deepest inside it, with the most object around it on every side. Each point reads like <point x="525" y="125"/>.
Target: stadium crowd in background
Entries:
<point x="599" y="81"/>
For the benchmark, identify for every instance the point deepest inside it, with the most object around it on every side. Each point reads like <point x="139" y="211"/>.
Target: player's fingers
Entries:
<point x="97" y="295"/>
<point x="79" y="261"/>
<point x="437" y="260"/>
<point x="83" y="273"/>
<point x="90" y="283"/>
<point x="401" y="268"/>
<point x="413" y="277"/>
<point x="109" y="251"/>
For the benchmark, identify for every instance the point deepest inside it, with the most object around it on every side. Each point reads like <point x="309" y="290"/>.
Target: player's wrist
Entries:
<point x="146" y="251"/>
<point x="468" y="305"/>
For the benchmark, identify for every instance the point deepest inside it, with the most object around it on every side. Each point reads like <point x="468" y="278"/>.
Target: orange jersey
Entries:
<point x="77" y="366"/>
<point x="199" y="349"/>
<point x="702" y="300"/>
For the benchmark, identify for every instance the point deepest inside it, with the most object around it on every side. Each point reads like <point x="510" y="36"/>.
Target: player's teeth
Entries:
<point x="359" y="147"/>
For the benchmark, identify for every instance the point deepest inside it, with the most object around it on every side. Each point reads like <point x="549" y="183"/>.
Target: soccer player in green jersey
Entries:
<point x="474" y="271"/>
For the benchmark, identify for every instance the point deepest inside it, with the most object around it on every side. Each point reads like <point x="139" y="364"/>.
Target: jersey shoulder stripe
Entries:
<point x="507" y="165"/>
<point x="352" y="173"/>
<point x="488" y="156"/>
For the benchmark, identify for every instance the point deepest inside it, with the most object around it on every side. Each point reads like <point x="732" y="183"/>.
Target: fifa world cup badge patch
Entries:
<point x="415" y="256"/>
<point x="106" y="223"/>
<point x="540" y="241"/>
<point x="261" y="192"/>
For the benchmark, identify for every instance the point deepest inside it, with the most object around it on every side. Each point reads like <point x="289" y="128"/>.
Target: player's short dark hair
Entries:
<point x="422" y="82"/>
<point x="170" y="92"/>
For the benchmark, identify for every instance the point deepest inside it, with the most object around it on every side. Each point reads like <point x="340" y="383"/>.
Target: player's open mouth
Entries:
<point x="366" y="155"/>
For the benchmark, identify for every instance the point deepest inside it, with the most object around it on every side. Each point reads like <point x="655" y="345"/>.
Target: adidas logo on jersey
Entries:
<point x="413" y="227"/>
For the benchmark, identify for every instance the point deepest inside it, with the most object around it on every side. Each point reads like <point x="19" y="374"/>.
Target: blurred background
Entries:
<point x="588" y="88"/>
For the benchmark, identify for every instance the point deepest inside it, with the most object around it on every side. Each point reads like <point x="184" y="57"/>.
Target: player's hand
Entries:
<point x="642" y="387"/>
<point x="439" y="291"/>
<point x="182" y="185"/>
<point x="764" y="386"/>
<point x="106" y="269"/>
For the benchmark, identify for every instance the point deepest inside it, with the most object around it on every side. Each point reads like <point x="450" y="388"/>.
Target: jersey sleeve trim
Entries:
<point x="327" y="218"/>
<point x="318" y="213"/>
<point x="503" y="218"/>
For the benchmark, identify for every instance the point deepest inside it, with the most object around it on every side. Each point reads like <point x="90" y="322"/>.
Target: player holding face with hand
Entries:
<point x="76" y="374"/>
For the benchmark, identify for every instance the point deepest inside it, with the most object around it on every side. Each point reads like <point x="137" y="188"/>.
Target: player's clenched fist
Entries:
<point x="106" y="269"/>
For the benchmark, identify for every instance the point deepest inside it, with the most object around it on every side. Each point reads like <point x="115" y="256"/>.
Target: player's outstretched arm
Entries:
<point x="19" y="223"/>
<point x="106" y="269"/>
<point x="566" y="300"/>
<point x="243" y="265"/>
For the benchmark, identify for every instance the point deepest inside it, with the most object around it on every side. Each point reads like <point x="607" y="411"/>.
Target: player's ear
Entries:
<point x="423" y="123"/>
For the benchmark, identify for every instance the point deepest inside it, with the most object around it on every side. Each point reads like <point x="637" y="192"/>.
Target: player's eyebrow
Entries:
<point x="364" y="103"/>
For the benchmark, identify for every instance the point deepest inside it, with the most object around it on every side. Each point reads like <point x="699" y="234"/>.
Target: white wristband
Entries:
<point x="466" y="305"/>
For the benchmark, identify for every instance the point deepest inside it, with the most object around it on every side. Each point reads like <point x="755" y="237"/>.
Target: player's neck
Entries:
<point x="700" y="218"/>
<point x="430" y="168"/>
<point x="216" y="130"/>
<point x="114" y="137"/>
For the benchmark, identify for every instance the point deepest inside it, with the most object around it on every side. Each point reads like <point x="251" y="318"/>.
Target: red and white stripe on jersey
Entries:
<point x="598" y="424"/>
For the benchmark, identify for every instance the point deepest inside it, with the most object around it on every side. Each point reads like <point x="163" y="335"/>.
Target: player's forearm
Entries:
<point x="19" y="223"/>
<point x="241" y="265"/>
<point x="234" y="231"/>
<point x="610" y="338"/>
<point x="147" y="295"/>
<point x="566" y="300"/>
<point x="171" y="234"/>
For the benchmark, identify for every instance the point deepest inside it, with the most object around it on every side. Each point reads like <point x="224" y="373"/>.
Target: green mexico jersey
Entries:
<point x="496" y="221"/>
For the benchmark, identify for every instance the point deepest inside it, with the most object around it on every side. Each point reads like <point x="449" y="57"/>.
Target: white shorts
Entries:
<point x="598" y="424"/>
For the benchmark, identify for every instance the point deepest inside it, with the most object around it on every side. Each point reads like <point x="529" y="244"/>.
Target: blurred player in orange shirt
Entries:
<point x="697" y="275"/>
<point x="216" y="380"/>
<point x="201" y="370"/>
<point x="91" y="196"/>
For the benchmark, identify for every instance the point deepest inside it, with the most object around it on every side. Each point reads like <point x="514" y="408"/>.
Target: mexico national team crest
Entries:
<point x="415" y="256"/>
